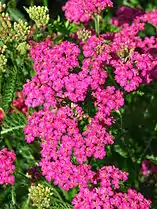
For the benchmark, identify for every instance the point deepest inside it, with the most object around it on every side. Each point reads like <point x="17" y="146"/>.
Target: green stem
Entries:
<point x="45" y="3"/>
<point x="145" y="150"/>
<point x="97" y="24"/>
<point x="22" y="174"/>
<point x="13" y="195"/>
<point x="26" y="204"/>
<point x="60" y="201"/>
<point x="12" y="129"/>
<point x="18" y="111"/>
<point x="55" y="192"/>
<point x="31" y="2"/>
<point x="8" y="144"/>
<point x="0" y="88"/>
<point x="65" y="194"/>
<point x="12" y="3"/>
<point x="57" y="196"/>
<point x="121" y="119"/>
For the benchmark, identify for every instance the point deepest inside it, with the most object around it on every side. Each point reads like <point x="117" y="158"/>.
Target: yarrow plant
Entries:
<point x="72" y="103"/>
<point x="66" y="75"/>
<point x="7" y="159"/>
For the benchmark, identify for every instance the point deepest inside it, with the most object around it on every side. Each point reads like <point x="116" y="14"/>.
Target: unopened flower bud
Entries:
<point x="39" y="14"/>
<point x="21" y="30"/>
<point x="40" y="195"/>
<point x="3" y="62"/>
<point x="3" y="48"/>
<point x="83" y="34"/>
<point x="2" y="7"/>
<point x="23" y="47"/>
<point x="2" y="115"/>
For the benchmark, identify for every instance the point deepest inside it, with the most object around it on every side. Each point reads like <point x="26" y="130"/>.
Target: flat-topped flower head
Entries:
<point x="105" y="192"/>
<point x="7" y="167"/>
<point x="78" y="11"/>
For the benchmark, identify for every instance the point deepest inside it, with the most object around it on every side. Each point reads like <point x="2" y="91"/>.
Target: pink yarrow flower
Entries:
<point x="78" y="11"/>
<point x="107" y="194"/>
<point x="7" y="167"/>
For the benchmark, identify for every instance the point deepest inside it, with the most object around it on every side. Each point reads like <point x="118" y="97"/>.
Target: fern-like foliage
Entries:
<point x="13" y="123"/>
<point x="58" y="205"/>
<point x="9" y="89"/>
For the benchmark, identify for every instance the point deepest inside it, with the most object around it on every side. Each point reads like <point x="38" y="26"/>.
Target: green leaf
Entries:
<point x="67" y="24"/>
<point x="9" y="89"/>
<point x="59" y="205"/>
<point x="26" y="204"/>
<point x="15" y="14"/>
<point x="120" y="151"/>
<point x="13" y="123"/>
<point x="149" y="31"/>
<point x="152" y="158"/>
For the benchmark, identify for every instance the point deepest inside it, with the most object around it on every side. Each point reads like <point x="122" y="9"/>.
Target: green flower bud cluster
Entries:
<point x="6" y="33"/>
<point x="21" y="30"/>
<point x="2" y="7"/>
<point x="3" y="62"/>
<point x="39" y="14"/>
<point x="40" y="195"/>
<point x="22" y="47"/>
<point x="99" y="49"/>
<point x="16" y="32"/>
<point x="2" y="49"/>
<point x="83" y="34"/>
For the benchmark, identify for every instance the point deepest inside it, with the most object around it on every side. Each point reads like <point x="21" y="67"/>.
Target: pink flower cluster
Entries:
<point x="107" y="100"/>
<point x="19" y="103"/>
<point x="2" y="115"/>
<point x="67" y="75"/>
<point x="126" y="14"/>
<point x="64" y="147"/>
<point x="134" y="72"/>
<point x="78" y="11"/>
<point x="107" y="193"/>
<point x="7" y="167"/>
<point x="148" y="168"/>
<point x="59" y="87"/>
<point x="134" y="59"/>
<point x="150" y="17"/>
<point x="55" y="78"/>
